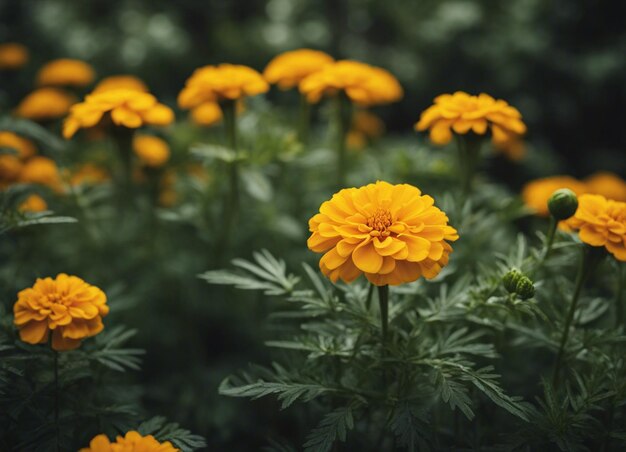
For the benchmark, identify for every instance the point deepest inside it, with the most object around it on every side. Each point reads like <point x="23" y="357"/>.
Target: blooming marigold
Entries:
<point x="127" y="108"/>
<point x="363" y="84"/>
<point x="131" y="442"/>
<point x="290" y="68"/>
<point x="23" y="146"/>
<point x="13" y="55"/>
<point x="66" y="305"/>
<point x="43" y="171"/>
<point x="10" y="169"/>
<point x="121" y="82"/>
<point x="462" y="113"/>
<point x="607" y="184"/>
<point x="601" y="222"/>
<point x="223" y="82"/>
<point x="207" y="114"/>
<point x="537" y="192"/>
<point x="152" y="151"/>
<point x="65" y="72"/>
<point x="45" y="104"/>
<point x="34" y="203"/>
<point x="391" y="233"/>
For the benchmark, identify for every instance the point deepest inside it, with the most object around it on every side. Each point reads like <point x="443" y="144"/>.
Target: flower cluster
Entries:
<point x="288" y="69"/>
<point x="131" y="442"/>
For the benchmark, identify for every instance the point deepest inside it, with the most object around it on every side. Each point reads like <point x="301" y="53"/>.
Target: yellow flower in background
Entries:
<point x="290" y="68"/>
<point x="607" y="184"/>
<point x="363" y="84"/>
<point x="601" y="222"/>
<point x="514" y="148"/>
<point x="45" y="104"/>
<point x="88" y="174"/>
<point x="66" y="306"/>
<point x="168" y="195"/>
<point x="391" y="233"/>
<point x="207" y="114"/>
<point x="152" y="151"/>
<point x="131" y="442"/>
<point x="65" y="72"/>
<point x="13" y="55"/>
<point x="366" y="126"/>
<point x="462" y="113"/>
<point x="537" y="192"/>
<point x="127" y="108"/>
<point x="10" y="169"/>
<point x="223" y="82"/>
<point x="23" y="146"/>
<point x="121" y="82"/>
<point x="42" y="171"/>
<point x="34" y="203"/>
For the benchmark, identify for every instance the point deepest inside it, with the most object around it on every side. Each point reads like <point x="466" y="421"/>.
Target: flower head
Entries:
<point x="121" y="82"/>
<point x="363" y="84"/>
<point x="10" y="169"/>
<point x="391" y="233"/>
<point x="607" y="184"/>
<point x="131" y="442"/>
<point x="223" y="82"/>
<point x="537" y="192"/>
<point x="462" y="113"/>
<point x="13" y="56"/>
<point x="34" y="203"/>
<point x="128" y="108"/>
<point x="43" y="171"/>
<point x="23" y="146"/>
<point x="290" y="68"/>
<point x="66" y="306"/>
<point x="45" y="104"/>
<point x="65" y="72"/>
<point x="601" y="222"/>
<point x="207" y="114"/>
<point x="152" y="151"/>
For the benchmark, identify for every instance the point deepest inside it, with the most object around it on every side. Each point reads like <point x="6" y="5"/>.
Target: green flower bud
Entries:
<point x="525" y="288"/>
<point x="510" y="280"/>
<point x="563" y="204"/>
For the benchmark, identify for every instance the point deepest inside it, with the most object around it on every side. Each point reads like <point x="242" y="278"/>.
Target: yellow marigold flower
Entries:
<point x="363" y="84"/>
<point x="290" y="68"/>
<point x="121" y="82"/>
<point x="462" y="113"/>
<point x="607" y="184"/>
<point x="44" y="104"/>
<point x="513" y="148"/>
<point x="601" y="222"/>
<point x="13" y="55"/>
<point x="391" y="233"/>
<point x="207" y="114"/>
<point x="23" y="146"/>
<point x="355" y="140"/>
<point x="66" y="305"/>
<point x="65" y="72"/>
<point x="537" y="192"/>
<point x="152" y="151"/>
<point x="43" y="171"/>
<point x="127" y="108"/>
<point x="34" y="203"/>
<point x="10" y="169"/>
<point x="368" y="123"/>
<point x="223" y="82"/>
<point x="88" y="174"/>
<point x="131" y="442"/>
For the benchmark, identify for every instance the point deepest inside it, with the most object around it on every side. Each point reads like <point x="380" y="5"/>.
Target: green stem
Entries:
<point x="368" y="299"/>
<point x="548" y="245"/>
<point x="343" y="116"/>
<point x="468" y="147"/>
<point x="619" y="298"/>
<point x="383" y="300"/>
<point x="304" y="120"/>
<point x="57" y="429"/>
<point x="124" y="141"/>
<point x="230" y="208"/>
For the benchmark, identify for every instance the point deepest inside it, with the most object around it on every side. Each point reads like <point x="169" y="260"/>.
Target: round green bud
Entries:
<point x="563" y="204"/>
<point x="525" y="288"/>
<point x="510" y="280"/>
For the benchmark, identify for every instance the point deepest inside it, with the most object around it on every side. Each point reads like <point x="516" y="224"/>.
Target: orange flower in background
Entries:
<point x="13" y="56"/>
<point x="152" y="151"/>
<point x="127" y="108"/>
<point x="601" y="222"/>
<point x="462" y="113"/>
<point x="366" y="126"/>
<point x="207" y="114"/>
<point x="290" y="68"/>
<point x="10" y="169"/>
<point x="23" y="146"/>
<point x="391" y="233"/>
<point x="45" y="104"/>
<point x="537" y="192"/>
<point x="607" y="184"/>
<point x="88" y="174"/>
<point x="223" y="82"/>
<point x="66" y="306"/>
<point x="121" y="82"/>
<point x="42" y="171"/>
<point x="131" y="442"/>
<point x="34" y="203"/>
<point x="363" y="84"/>
<point x="65" y="72"/>
<point x="514" y="148"/>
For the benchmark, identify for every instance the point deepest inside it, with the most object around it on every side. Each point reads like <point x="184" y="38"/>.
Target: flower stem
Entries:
<point x="548" y="245"/>
<point x="57" y="429"/>
<point x="383" y="300"/>
<point x="468" y="146"/>
<point x="304" y="120"/>
<point x="342" y="122"/>
<point x="230" y="207"/>
<point x="619" y="298"/>
<point x="124" y="141"/>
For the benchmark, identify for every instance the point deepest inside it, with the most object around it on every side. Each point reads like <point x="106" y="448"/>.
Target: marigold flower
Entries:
<point x="65" y="72"/>
<point x="223" y="82"/>
<point x="290" y="68"/>
<point x="391" y="233"/>
<point x="601" y="222"/>
<point x="131" y="442"/>
<point x="88" y="174"/>
<point x="34" y="203"/>
<point x="152" y="151"/>
<point x="462" y="113"/>
<point x="363" y="84"/>
<point x="513" y="148"/>
<point x="66" y="306"/>
<point x="23" y="146"/>
<point x="127" y="108"/>
<point x="45" y="104"/>
<point x="537" y="192"/>
<point x="13" y="56"/>
<point x="10" y="169"/>
<point x="121" y="82"/>
<point x="207" y="114"/>
<point x="607" y="184"/>
<point x="43" y="171"/>
<point x="368" y="124"/>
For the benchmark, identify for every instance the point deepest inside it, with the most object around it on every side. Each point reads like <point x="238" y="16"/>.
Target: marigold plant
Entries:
<point x="290" y="68"/>
<point x="65" y="72"/>
<point x="34" y="203"/>
<point x="13" y="56"/>
<point x="45" y="104"/>
<point x="131" y="442"/>
<point x="152" y="151"/>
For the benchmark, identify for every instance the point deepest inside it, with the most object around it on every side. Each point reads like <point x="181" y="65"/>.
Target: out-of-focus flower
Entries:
<point x="355" y="140"/>
<point x="368" y="124"/>
<point x="363" y="84"/>
<point x="167" y="195"/>
<point x="537" y="192"/>
<point x="513" y="148"/>
<point x="391" y="233"/>
<point x="65" y="72"/>
<point x="218" y="83"/>
<point x="121" y="82"/>
<point x="88" y="174"/>
<point x="207" y="114"/>
<point x="66" y="306"/>
<point x="43" y="171"/>
<point x="23" y="146"/>
<point x="463" y="113"/>
<point x="45" y="104"/>
<point x="127" y="108"/>
<point x="152" y="151"/>
<point x="10" y="169"/>
<point x="131" y="442"/>
<point x="601" y="222"/>
<point x="34" y="203"/>
<point x="290" y="68"/>
<point x="607" y="184"/>
<point x="13" y="56"/>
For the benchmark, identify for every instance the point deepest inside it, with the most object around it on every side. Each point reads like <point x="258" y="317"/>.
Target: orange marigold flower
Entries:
<point x="368" y="124"/>
<point x="44" y="104"/>
<point x="290" y="68"/>
<point x="514" y="148"/>
<point x="223" y="82"/>
<point x="127" y="108"/>
<point x="131" y="442"/>
<point x="391" y="233"/>
<point x="88" y="174"/>
<point x="537" y="192"/>
<point x="207" y="114"/>
<point x="121" y="82"/>
<point x="13" y="55"/>
<point x="152" y="151"/>
<point x="23" y="146"/>
<point x="601" y="222"/>
<point x="43" y="171"/>
<point x="34" y="203"/>
<point x="66" y="305"/>
<point x="65" y="72"/>
<point x="10" y="169"/>
<point x="363" y="84"/>
<point x="607" y="184"/>
<point x="462" y="113"/>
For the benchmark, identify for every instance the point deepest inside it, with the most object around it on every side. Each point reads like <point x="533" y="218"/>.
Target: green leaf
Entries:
<point x="163" y="431"/>
<point x="32" y="130"/>
<point x="333" y="426"/>
<point x="257" y="184"/>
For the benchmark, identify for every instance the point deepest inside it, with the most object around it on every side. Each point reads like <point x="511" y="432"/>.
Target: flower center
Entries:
<point x="55" y="298"/>
<point x="380" y="221"/>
